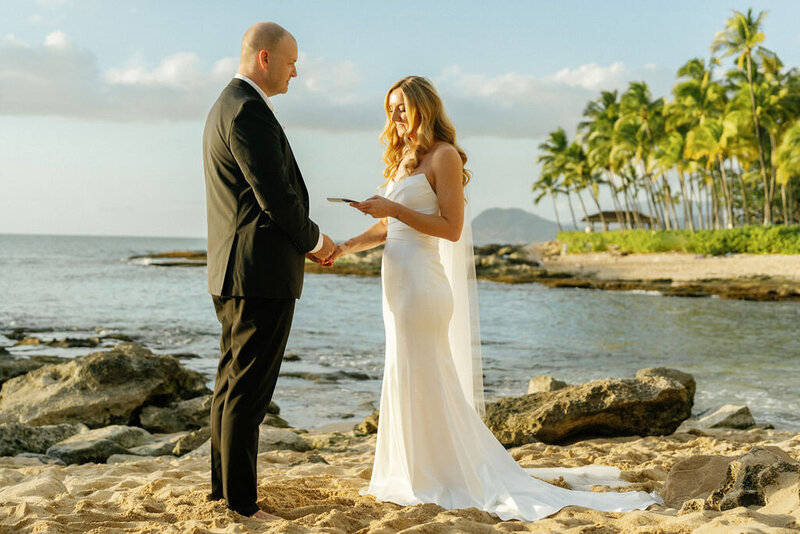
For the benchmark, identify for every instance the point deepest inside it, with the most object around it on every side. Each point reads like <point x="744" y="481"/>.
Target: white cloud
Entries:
<point x="178" y="70"/>
<point x="326" y="96"/>
<point x="591" y="76"/>
<point x="57" y="40"/>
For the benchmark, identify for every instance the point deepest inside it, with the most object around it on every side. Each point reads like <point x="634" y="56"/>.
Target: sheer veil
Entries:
<point x="465" y="336"/>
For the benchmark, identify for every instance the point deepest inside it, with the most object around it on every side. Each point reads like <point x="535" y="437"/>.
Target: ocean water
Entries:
<point x="739" y="352"/>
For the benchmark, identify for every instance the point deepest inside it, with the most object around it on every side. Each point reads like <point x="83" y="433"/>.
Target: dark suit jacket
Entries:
<point x="257" y="202"/>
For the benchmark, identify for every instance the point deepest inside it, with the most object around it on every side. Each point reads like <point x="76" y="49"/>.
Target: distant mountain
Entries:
<point x="511" y="225"/>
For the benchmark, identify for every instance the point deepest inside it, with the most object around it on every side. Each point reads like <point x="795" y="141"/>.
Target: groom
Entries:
<point x="258" y="234"/>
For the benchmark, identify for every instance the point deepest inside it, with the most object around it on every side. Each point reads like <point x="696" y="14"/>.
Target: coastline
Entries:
<point x="756" y="277"/>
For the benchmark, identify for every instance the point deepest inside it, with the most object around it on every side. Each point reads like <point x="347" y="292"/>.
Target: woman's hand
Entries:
<point x="378" y="207"/>
<point x="341" y="250"/>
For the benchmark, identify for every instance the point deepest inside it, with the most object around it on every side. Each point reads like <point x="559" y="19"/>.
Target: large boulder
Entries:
<point x="17" y="438"/>
<point x="82" y="452"/>
<point x="651" y="405"/>
<point x="98" y="444"/>
<point x="98" y="389"/>
<point x="188" y="414"/>
<point x="728" y="416"/>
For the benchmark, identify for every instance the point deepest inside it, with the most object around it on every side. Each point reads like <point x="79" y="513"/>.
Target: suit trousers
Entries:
<point x="254" y="335"/>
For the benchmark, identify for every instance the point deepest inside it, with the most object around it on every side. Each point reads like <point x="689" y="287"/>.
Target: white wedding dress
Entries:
<point x="432" y="444"/>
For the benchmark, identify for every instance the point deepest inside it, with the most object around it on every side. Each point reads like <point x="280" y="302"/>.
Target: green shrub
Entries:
<point x="747" y="240"/>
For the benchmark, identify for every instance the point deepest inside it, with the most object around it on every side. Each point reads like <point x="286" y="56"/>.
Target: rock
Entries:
<point x="160" y="446"/>
<point x="9" y="368"/>
<point x="269" y="439"/>
<point x="544" y="383"/>
<point x="16" y="437"/>
<point x="608" y="407"/>
<point x="275" y="420"/>
<point x="291" y="357"/>
<point x="122" y="458"/>
<point x="74" y="342"/>
<point x="203" y="451"/>
<point x="4" y="352"/>
<point x="369" y="425"/>
<point x="694" y="478"/>
<point x="276" y="439"/>
<point x="327" y="378"/>
<point x="124" y="436"/>
<point x="28" y="341"/>
<point x="191" y="441"/>
<point x="334" y="441"/>
<point x="99" y="389"/>
<point x="41" y="457"/>
<point x="273" y="408"/>
<point x="728" y="416"/>
<point x="751" y="479"/>
<point x="189" y="414"/>
<point x="81" y="452"/>
<point x="13" y="367"/>
<point x="684" y="379"/>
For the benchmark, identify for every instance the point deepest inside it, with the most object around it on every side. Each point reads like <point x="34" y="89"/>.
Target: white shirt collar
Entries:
<point x="257" y="88"/>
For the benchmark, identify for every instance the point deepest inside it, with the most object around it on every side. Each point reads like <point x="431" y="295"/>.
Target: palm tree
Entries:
<point x="707" y="141"/>
<point x="742" y="35"/>
<point x="547" y="185"/>
<point x="788" y="163"/>
<point x="554" y="163"/>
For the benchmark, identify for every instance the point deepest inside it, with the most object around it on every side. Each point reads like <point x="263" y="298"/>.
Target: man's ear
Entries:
<point x="263" y="59"/>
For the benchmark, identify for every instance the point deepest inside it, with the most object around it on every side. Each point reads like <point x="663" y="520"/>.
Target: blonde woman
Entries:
<point x="432" y="444"/>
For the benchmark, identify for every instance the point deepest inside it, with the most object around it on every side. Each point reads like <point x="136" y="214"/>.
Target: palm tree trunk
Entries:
<point x="583" y="207"/>
<point x="688" y="216"/>
<point x="571" y="211"/>
<point x="714" y="205"/>
<point x="596" y="197"/>
<point x="744" y="193"/>
<point x="555" y="211"/>
<point x="726" y="193"/>
<point x="785" y="206"/>
<point x="757" y="127"/>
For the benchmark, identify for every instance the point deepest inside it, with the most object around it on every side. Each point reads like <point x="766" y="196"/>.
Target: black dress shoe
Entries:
<point x="214" y="497"/>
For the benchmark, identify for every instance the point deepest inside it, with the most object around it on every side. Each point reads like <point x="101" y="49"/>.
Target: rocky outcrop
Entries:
<point x="98" y="444"/>
<point x="16" y="438"/>
<point x="369" y="425"/>
<point x="728" y="416"/>
<point x="189" y="442"/>
<point x="99" y="389"/>
<point x="189" y="414"/>
<point x="544" y="383"/>
<point x="269" y="439"/>
<point x="12" y="367"/>
<point x="651" y="405"/>
<point x="751" y="479"/>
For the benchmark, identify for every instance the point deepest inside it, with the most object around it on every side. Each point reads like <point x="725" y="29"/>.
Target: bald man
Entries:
<point x="259" y="233"/>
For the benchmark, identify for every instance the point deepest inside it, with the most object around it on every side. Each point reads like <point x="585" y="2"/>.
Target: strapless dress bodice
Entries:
<point x="413" y="192"/>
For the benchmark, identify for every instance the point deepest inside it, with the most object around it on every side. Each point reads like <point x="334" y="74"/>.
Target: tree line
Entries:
<point x="722" y="152"/>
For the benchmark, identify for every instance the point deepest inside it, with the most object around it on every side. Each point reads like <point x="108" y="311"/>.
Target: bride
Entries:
<point x="432" y="444"/>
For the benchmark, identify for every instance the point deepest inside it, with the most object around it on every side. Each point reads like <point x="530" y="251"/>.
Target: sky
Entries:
<point x="102" y="104"/>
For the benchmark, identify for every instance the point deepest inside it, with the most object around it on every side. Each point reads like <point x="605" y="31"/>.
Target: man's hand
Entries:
<point x="328" y="247"/>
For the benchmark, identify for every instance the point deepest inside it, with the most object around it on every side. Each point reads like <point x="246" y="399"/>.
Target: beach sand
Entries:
<point x="674" y="266"/>
<point x="167" y="495"/>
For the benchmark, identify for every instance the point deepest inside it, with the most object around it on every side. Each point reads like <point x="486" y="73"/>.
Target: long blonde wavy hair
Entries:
<point x="428" y="124"/>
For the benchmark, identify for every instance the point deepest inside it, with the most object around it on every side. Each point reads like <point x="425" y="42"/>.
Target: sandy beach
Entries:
<point x="168" y="494"/>
<point x="674" y="266"/>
